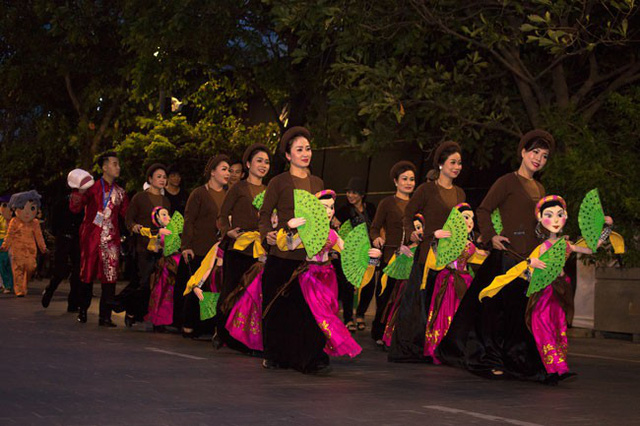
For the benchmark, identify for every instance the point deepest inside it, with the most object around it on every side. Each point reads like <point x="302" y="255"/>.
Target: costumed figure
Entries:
<point x="454" y="278"/>
<point x="165" y="238"/>
<point x="103" y="205"/>
<point x="24" y="238"/>
<point x="434" y="200"/>
<point x="318" y="282"/>
<point x="239" y="222"/>
<point x="291" y="336"/>
<point x="201" y="253"/>
<point x="355" y="212"/>
<point x="548" y="288"/>
<point x="6" y="214"/>
<point x="387" y="234"/>
<point x="490" y="338"/>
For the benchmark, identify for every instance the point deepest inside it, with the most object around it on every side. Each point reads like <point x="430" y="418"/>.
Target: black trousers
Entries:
<point x="346" y="293"/>
<point x="382" y="300"/>
<point x="137" y="302"/>
<point x="106" y="298"/>
<point x="67" y="264"/>
<point x="290" y="333"/>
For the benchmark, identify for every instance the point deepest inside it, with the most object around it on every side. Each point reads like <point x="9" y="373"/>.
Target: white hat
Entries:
<point x="79" y="179"/>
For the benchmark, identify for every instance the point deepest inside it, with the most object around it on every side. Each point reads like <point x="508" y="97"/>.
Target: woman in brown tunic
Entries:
<point x="434" y="200"/>
<point x="200" y="233"/>
<point x="239" y="222"/>
<point x="389" y="217"/>
<point x="291" y="335"/>
<point x="491" y="338"/>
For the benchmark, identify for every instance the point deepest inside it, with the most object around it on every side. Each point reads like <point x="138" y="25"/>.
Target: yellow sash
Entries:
<point x="248" y="238"/>
<point x="502" y="280"/>
<point x="616" y="240"/>
<point x="204" y="270"/>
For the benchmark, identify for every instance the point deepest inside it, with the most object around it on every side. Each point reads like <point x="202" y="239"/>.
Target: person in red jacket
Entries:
<point x="104" y="204"/>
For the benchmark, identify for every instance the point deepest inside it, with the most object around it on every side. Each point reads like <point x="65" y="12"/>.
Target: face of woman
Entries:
<point x="235" y="173"/>
<point x="452" y="166"/>
<point x="553" y="219"/>
<point x="221" y="173"/>
<point x="535" y="159"/>
<point x="174" y="179"/>
<point x="158" y="179"/>
<point x="354" y="197"/>
<point x="330" y="205"/>
<point x="163" y="217"/>
<point x="468" y="220"/>
<point x="406" y="182"/>
<point x="300" y="154"/>
<point x="259" y="165"/>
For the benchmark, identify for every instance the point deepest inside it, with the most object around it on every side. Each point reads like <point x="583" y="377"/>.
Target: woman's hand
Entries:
<point x="608" y="220"/>
<point x="164" y="231"/>
<point x="406" y="251"/>
<point x="272" y="238"/>
<point x="497" y="241"/>
<point x="375" y="253"/>
<point x="378" y="242"/>
<point x="188" y="254"/>
<point x="416" y="236"/>
<point x="296" y="222"/>
<point x="234" y="233"/>
<point x="441" y="233"/>
<point x="136" y="228"/>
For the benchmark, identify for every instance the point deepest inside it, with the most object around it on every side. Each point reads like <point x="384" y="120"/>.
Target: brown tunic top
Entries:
<point x="517" y="209"/>
<point x="279" y="196"/>
<point x="139" y="213"/>
<point x="239" y="205"/>
<point x="389" y="216"/>
<point x="429" y="200"/>
<point x="200" y="231"/>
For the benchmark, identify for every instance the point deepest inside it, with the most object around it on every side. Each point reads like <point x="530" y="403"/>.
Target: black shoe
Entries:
<point x="129" y="321"/>
<point x="320" y="370"/>
<point x="47" y="294"/>
<point x="106" y="323"/>
<point x="272" y="365"/>
<point x="568" y="377"/>
<point x="82" y="316"/>
<point x="217" y="342"/>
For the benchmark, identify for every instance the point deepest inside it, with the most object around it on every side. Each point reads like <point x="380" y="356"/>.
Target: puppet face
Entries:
<point x="111" y="167"/>
<point x="417" y="225"/>
<point x="406" y="182"/>
<point x="163" y="217"/>
<point x="174" y="179"/>
<point x="300" y="154"/>
<point x="158" y="179"/>
<point x="274" y="219"/>
<point x="553" y="219"/>
<point x="468" y="220"/>
<point x="28" y="212"/>
<point x="221" y="173"/>
<point x="235" y="173"/>
<point x="259" y="165"/>
<point x="535" y="159"/>
<point x="5" y="211"/>
<point x="330" y="205"/>
<point x="452" y="166"/>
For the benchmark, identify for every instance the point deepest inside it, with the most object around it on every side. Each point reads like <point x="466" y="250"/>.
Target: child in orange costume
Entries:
<point x="24" y="237"/>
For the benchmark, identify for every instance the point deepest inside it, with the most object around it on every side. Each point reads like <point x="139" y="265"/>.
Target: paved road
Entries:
<point x="55" y="371"/>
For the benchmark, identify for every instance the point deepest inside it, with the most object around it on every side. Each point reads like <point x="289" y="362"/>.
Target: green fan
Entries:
<point x="496" y="219"/>
<point x="172" y="242"/>
<point x="208" y="305"/>
<point x="355" y="256"/>
<point x="400" y="269"/>
<point x="591" y="219"/>
<point x="345" y="229"/>
<point x="554" y="258"/>
<point x="315" y="232"/>
<point x="449" y="249"/>
<point x="258" y="200"/>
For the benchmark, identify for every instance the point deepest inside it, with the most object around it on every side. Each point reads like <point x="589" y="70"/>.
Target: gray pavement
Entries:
<point x="56" y="371"/>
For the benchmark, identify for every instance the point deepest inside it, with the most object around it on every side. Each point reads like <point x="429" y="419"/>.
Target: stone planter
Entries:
<point x="617" y="301"/>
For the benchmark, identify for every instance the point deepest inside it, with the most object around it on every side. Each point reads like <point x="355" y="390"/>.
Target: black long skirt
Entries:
<point x="407" y="343"/>
<point x="236" y="264"/>
<point x="492" y="334"/>
<point x="290" y="333"/>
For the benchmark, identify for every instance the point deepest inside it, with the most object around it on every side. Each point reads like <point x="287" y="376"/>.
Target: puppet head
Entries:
<point x="328" y="199"/>
<point x="418" y="223"/>
<point x="274" y="219"/>
<point x="467" y="214"/>
<point x="551" y="212"/>
<point x="5" y="210"/>
<point x="26" y="205"/>
<point x="160" y="217"/>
